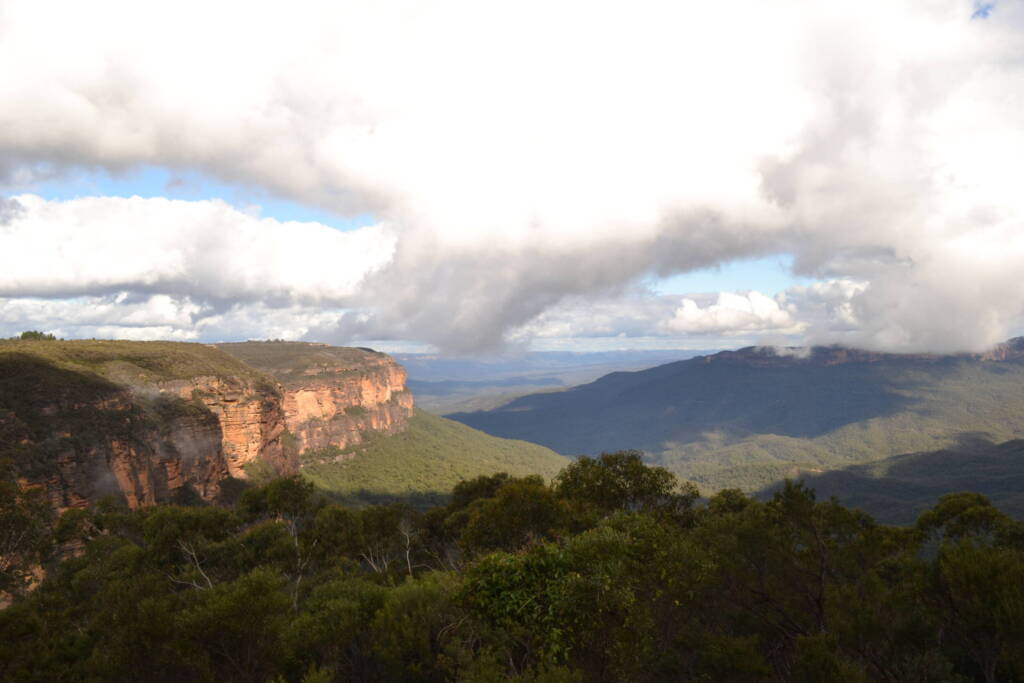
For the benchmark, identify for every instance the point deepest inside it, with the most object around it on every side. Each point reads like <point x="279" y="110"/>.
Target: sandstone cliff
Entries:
<point x="146" y="421"/>
<point x="333" y="396"/>
<point x="250" y="419"/>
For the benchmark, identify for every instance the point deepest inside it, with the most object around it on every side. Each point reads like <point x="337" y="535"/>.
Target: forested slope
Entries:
<point x="612" y="573"/>
<point x="751" y="417"/>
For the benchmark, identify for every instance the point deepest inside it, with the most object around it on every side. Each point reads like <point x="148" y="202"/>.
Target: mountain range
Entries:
<point x="752" y="417"/>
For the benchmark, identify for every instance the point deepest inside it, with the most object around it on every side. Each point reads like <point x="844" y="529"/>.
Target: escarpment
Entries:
<point x="250" y="417"/>
<point x="151" y="422"/>
<point x="147" y="422"/>
<point x="333" y="396"/>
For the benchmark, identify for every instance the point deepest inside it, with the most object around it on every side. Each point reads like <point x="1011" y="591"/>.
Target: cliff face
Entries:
<point x="333" y="396"/>
<point x="337" y="406"/>
<point x="148" y="424"/>
<point x="250" y="419"/>
<point x="155" y="421"/>
<point x="128" y="455"/>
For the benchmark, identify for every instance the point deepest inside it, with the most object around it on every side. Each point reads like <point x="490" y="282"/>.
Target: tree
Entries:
<point x="621" y="481"/>
<point x="237" y="627"/>
<point x="970" y="515"/>
<point x="34" y="335"/>
<point x="333" y="630"/>
<point x="25" y="535"/>
<point x="523" y="510"/>
<point x="980" y="596"/>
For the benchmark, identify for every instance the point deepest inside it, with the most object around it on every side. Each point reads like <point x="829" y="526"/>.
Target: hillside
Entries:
<point x="131" y="362"/>
<point x="423" y="463"/>
<point x="897" y="490"/>
<point x="446" y="384"/>
<point x="751" y="417"/>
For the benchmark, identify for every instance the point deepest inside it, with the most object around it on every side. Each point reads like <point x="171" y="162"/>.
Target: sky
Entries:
<point x="470" y="177"/>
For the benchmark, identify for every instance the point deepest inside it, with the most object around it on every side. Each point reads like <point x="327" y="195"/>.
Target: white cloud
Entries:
<point x="531" y="154"/>
<point x="734" y="314"/>
<point x="205" y="250"/>
<point x="159" y="316"/>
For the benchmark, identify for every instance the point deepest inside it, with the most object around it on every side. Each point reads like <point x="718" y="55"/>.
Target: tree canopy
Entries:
<point x="613" y="572"/>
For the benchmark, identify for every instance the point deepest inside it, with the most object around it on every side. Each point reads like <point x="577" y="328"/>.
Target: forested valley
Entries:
<point x="613" y="572"/>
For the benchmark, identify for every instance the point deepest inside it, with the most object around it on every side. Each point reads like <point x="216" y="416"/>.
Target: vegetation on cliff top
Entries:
<point x="291" y="363"/>
<point x="423" y="463"/>
<point x="611" y="573"/>
<point x="131" y="362"/>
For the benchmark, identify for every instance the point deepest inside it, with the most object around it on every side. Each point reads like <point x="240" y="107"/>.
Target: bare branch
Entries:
<point x="190" y="552"/>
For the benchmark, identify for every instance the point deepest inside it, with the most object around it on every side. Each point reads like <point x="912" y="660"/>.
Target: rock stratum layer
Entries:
<point x="333" y="397"/>
<point x="147" y="422"/>
<point x="153" y="422"/>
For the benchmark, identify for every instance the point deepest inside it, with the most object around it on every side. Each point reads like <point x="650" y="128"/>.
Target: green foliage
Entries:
<point x="523" y="595"/>
<point x="982" y="606"/>
<point x="522" y="511"/>
<point x="286" y="497"/>
<point x="970" y="515"/>
<point x="423" y="463"/>
<point x="132" y="361"/>
<point x="409" y="629"/>
<point x="236" y="628"/>
<point x="25" y="537"/>
<point x="292" y="363"/>
<point x="34" y="335"/>
<point x="730" y="422"/>
<point x="332" y="632"/>
<point x="621" y="481"/>
<point x="469" y="490"/>
<point x="516" y="580"/>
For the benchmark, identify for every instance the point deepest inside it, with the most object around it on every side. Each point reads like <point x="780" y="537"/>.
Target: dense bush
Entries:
<point x="613" y="573"/>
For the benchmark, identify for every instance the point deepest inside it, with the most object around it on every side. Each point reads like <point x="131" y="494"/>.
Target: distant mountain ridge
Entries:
<point x="749" y="417"/>
<point x="773" y="356"/>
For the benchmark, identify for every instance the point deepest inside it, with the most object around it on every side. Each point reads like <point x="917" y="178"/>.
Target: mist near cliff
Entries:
<point x="528" y="167"/>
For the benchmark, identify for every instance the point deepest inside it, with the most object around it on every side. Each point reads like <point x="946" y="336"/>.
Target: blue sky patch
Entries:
<point x="155" y="181"/>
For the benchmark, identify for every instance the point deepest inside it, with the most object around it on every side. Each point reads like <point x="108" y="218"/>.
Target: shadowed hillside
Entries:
<point x="750" y="417"/>
<point x="897" y="490"/>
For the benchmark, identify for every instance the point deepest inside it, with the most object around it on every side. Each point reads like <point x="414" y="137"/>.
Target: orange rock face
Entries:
<point x="336" y="406"/>
<point x="251" y="420"/>
<point x="129" y="456"/>
<point x="148" y="440"/>
<point x="148" y="456"/>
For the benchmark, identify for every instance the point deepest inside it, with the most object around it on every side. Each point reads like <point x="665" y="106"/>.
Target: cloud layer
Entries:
<point x="527" y="157"/>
